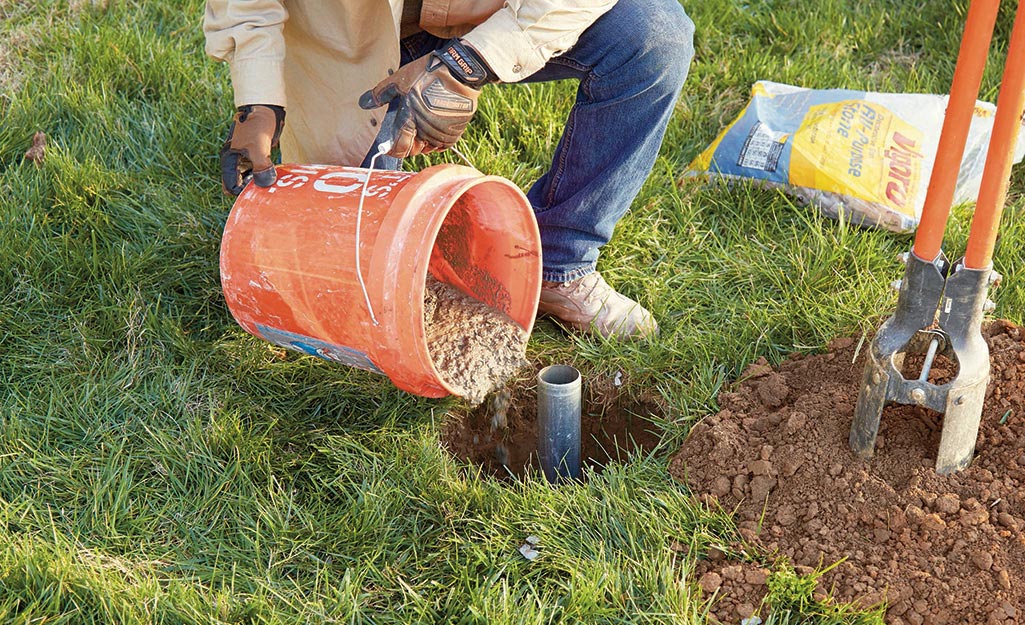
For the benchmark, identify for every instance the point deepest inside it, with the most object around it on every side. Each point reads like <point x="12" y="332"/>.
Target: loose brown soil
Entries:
<point x="37" y="153"/>
<point x="476" y="348"/>
<point x="500" y="436"/>
<point x="935" y="549"/>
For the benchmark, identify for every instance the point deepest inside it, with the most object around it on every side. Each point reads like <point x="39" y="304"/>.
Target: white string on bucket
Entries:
<point x="381" y="150"/>
<point x="462" y="156"/>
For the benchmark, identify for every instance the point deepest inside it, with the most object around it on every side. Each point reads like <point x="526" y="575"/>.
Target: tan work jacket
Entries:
<point x="315" y="57"/>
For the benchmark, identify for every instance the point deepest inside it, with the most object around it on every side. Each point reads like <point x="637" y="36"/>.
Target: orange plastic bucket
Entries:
<point x="288" y="261"/>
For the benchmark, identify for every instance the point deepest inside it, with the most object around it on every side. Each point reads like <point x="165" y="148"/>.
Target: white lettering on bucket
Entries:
<point x="322" y="184"/>
<point x="292" y="180"/>
<point x="384" y="183"/>
<point x="296" y="178"/>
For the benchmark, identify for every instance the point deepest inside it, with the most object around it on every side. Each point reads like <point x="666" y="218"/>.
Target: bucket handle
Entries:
<point x="381" y="149"/>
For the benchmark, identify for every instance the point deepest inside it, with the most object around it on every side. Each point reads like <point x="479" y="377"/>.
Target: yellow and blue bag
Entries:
<point x="865" y="155"/>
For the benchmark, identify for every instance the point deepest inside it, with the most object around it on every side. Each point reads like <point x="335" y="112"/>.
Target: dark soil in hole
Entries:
<point x="500" y="435"/>
<point x="934" y="549"/>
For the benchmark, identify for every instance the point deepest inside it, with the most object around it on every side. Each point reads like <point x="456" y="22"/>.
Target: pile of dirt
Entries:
<point x="935" y="549"/>
<point x="501" y="434"/>
<point x="475" y="347"/>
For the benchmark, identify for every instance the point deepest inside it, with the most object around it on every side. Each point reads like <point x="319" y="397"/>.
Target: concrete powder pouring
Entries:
<point x="475" y="347"/>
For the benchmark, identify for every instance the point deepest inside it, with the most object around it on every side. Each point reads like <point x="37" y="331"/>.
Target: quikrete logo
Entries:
<point x="901" y="158"/>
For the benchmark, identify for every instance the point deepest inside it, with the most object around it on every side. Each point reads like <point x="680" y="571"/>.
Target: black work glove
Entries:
<point x="245" y="155"/>
<point x="437" y="97"/>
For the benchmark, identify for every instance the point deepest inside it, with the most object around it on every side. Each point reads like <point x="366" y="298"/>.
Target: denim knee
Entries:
<point x="663" y="42"/>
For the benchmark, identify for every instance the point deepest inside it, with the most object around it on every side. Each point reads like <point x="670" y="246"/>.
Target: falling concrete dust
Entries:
<point x="475" y="347"/>
<point x="932" y="549"/>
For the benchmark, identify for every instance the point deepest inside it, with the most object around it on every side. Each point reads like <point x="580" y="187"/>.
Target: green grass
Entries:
<point x="157" y="464"/>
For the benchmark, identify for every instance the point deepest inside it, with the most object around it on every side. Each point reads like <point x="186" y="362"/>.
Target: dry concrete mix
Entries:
<point x="475" y="347"/>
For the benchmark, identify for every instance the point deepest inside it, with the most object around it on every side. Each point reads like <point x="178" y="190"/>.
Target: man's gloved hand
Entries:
<point x="245" y="155"/>
<point x="437" y="96"/>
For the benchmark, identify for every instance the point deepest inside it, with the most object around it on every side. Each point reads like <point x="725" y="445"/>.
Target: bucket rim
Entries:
<point x="438" y="188"/>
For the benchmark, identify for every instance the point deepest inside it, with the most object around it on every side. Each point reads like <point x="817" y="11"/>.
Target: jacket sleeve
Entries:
<point x="519" y="38"/>
<point x="247" y="34"/>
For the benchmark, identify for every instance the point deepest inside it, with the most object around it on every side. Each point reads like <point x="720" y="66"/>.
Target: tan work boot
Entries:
<point x="591" y="305"/>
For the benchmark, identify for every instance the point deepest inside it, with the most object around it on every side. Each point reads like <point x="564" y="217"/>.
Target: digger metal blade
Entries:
<point x="960" y="299"/>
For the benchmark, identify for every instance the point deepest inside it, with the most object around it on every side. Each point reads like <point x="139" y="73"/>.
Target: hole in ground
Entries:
<point x="943" y="369"/>
<point x="912" y="358"/>
<point x="615" y="422"/>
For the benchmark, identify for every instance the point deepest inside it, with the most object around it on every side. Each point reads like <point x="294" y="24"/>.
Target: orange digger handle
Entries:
<point x="997" y="173"/>
<point x="971" y="62"/>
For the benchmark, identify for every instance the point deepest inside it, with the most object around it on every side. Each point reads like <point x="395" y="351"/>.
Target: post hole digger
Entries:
<point x="941" y="303"/>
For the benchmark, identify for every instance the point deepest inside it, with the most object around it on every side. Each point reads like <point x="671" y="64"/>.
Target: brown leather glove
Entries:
<point x="437" y="97"/>
<point x="245" y="155"/>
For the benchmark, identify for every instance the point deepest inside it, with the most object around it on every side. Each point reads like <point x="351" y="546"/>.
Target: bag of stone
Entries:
<point x="863" y="155"/>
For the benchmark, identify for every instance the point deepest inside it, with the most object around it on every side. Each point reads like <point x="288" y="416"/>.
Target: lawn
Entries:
<point x="160" y="465"/>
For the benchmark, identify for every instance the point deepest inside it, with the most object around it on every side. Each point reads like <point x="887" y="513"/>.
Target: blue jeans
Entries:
<point x="631" y="64"/>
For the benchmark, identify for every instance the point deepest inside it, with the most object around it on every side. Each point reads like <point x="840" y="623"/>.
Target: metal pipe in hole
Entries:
<point x="929" y="357"/>
<point x="558" y="420"/>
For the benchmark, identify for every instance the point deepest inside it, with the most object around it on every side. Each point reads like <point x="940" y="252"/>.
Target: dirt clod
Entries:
<point x="947" y="503"/>
<point x="773" y="390"/>
<point x="475" y="347"/>
<point x="37" y="153"/>
<point x="931" y="548"/>
<point x="710" y="582"/>
<point x="982" y="559"/>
